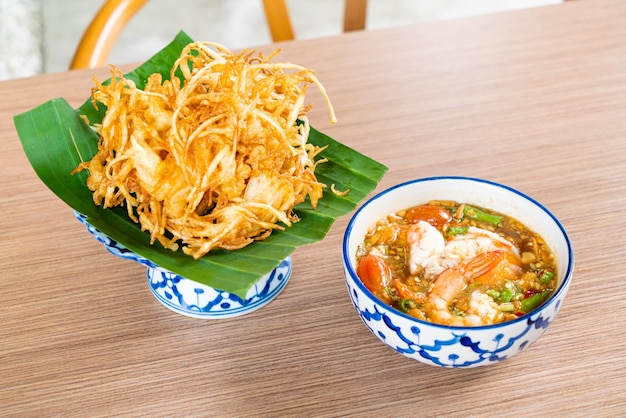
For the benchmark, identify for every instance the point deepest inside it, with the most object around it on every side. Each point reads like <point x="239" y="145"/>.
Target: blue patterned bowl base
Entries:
<point x="196" y="300"/>
<point x="453" y="347"/>
<point x="190" y="298"/>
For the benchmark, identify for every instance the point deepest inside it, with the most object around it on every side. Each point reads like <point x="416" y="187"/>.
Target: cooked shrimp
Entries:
<point x="436" y="303"/>
<point x="477" y="241"/>
<point x="474" y="242"/>
<point x="426" y="244"/>
<point x="429" y="252"/>
<point x="452" y="281"/>
<point x="477" y="256"/>
<point x="482" y="311"/>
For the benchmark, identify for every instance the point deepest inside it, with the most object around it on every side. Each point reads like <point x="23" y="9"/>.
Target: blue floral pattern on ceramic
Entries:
<point x="194" y="299"/>
<point x="197" y="300"/>
<point x="449" y="346"/>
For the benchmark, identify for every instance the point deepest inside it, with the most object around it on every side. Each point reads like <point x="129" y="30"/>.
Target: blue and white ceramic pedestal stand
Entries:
<point x="190" y="298"/>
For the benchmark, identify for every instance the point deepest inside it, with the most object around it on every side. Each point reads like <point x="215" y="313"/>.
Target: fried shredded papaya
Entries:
<point x="215" y="159"/>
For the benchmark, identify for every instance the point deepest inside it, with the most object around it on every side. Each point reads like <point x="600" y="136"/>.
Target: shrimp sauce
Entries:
<point x="456" y="264"/>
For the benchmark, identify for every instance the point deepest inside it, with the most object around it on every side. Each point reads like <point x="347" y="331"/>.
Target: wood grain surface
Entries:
<point x="535" y="99"/>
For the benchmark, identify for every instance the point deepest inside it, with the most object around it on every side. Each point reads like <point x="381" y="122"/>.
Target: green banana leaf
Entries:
<point x="56" y="139"/>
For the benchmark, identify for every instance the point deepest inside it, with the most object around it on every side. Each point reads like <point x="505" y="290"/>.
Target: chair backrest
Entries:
<point x="106" y="26"/>
<point x="280" y="24"/>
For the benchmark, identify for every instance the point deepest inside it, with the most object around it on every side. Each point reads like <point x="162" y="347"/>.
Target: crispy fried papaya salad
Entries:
<point x="216" y="157"/>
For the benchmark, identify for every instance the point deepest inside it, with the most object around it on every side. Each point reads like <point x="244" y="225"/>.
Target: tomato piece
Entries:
<point x="374" y="272"/>
<point x="434" y="215"/>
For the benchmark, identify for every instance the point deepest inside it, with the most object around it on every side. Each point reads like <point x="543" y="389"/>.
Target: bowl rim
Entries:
<point x="563" y="286"/>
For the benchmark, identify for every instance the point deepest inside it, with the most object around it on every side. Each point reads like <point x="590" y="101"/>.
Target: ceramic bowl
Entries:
<point x="450" y="346"/>
<point x="190" y="298"/>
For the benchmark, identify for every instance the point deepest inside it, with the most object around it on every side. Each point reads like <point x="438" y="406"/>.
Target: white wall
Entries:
<point x="20" y="38"/>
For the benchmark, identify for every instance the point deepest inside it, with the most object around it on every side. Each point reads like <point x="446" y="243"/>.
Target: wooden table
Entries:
<point x="535" y="99"/>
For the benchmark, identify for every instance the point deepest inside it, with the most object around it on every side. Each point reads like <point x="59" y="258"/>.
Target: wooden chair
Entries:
<point x="108" y="23"/>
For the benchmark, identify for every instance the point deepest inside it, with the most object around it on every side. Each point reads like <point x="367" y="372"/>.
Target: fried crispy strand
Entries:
<point x="215" y="161"/>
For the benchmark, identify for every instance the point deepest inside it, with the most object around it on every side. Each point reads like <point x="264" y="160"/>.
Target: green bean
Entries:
<point x="456" y="230"/>
<point x="506" y="295"/>
<point x="536" y="300"/>
<point x="407" y="304"/>
<point x="479" y="215"/>
<point x="546" y="276"/>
